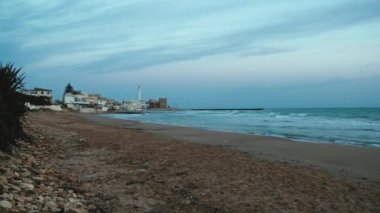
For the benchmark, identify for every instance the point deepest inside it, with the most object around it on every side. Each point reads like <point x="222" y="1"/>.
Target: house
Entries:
<point x="75" y="100"/>
<point x="85" y="102"/>
<point x="162" y="103"/>
<point x="39" y="98"/>
<point x="40" y="92"/>
<point x="134" y="105"/>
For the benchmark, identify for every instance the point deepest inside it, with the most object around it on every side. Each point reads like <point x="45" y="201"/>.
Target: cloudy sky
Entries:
<point x="209" y="53"/>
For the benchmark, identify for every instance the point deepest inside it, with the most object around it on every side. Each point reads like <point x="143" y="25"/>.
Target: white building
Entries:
<point x="40" y="92"/>
<point x="135" y="105"/>
<point x="75" y="100"/>
<point x="86" y="102"/>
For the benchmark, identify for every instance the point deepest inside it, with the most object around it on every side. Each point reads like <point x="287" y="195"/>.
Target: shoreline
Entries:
<point x="247" y="133"/>
<point x="120" y="166"/>
<point x="347" y="162"/>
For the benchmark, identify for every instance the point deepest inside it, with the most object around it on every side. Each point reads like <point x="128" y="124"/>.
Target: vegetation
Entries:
<point x="36" y="100"/>
<point x="12" y="106"/>
<point x="69" y="88"/>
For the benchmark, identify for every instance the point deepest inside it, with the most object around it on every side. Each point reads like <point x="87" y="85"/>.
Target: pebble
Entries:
<point x="3" y="170"/>
<point x="16" y="188"/>
<point x="37" y="178"/>
<point x="51" y="205"/>
<point x="5" y="205"/>
<point x="29" y="182"/>
<point x="27" y="186"/>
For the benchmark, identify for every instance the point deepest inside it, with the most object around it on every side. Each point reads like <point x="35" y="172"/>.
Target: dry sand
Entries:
<point x="351" y="163"/>
<point x="144" y="167"/>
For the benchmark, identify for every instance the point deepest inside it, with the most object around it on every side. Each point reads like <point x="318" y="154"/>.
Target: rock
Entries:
<point x="40" y="198"/>
<point x="5" y="188"/>
<point x="71" y="200"/>
<point x="27" y="186"/>
<point x="92" y="207"/>
<point x="20" y="199"/>
<point x="16" y="188"/>
<point x="28" y="199"/>
<point x="4" y="205"/>
<point x="16" y="174"/>
<point x="51" y="205"/>
<point x="13" y="167"/>
<point x="72" y="210"/>
<point x="86" y="178"/>
<point x="26" y="173"/>
<point x="27" y="180"/>
<point x="141" y="170"/>
<point x="22" y="209"/>
<point x="3" y="180"/>
<point x="4" y="156"/>
<point x="6" y="196"/>
<point x="3" y="170"/>
<point x="38" y="178"/>
<point x="61" y="204"/>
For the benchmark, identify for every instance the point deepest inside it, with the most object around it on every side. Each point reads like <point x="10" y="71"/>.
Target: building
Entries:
<point x="95" y="102"/>
<point x="161" y="103"/>
<point x="135" y="105"/>
<point x="40" y="92"/>
<point x="86" y="102"/>
<point x="75" y="100"/>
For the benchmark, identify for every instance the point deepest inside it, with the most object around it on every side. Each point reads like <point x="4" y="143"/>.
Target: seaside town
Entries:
<point x="152" y="106"/>
<point x="85" y="102"/>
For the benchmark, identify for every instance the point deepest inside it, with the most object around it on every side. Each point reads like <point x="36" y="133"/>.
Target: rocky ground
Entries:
<point x="75" y="165"/>
<point x="30" y="183"/>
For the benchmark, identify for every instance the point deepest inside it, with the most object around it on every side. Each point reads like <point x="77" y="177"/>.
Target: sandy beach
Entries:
<point x="139" y="167"/>
<point x="352" y="163"/>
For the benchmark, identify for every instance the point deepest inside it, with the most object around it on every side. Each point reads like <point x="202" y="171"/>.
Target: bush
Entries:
<point x="9" y="131"/>
<point x="12" y="106"/>
<point x="36" y="100"/>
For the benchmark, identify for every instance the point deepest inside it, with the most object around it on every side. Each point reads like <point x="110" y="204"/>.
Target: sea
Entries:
<point x="350" y="126"/>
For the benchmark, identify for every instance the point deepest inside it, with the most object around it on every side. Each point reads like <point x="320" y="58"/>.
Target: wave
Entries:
<point x="316" y="125"/>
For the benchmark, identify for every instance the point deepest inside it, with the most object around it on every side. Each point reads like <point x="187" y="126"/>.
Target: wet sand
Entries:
<point x="352" y="163"/>
<point x="135" y="167"/>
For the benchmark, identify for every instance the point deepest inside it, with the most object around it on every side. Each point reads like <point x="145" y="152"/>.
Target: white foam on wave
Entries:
<point x="293" y="125"/>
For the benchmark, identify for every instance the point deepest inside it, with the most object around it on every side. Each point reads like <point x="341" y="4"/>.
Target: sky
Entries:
<point x="200" y="54"/>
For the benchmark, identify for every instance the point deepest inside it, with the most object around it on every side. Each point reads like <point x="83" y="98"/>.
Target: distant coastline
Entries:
<point x="223" y="109"/>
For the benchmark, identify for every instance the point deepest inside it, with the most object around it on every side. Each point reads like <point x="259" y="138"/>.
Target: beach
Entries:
<point x="141" y="167"/>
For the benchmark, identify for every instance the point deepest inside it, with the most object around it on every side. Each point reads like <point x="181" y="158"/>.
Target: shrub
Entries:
<point x="36" y="100"/>
<point x="12" y="106"/>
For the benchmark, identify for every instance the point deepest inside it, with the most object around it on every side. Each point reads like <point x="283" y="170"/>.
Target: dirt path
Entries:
<point x="133" y="171"/>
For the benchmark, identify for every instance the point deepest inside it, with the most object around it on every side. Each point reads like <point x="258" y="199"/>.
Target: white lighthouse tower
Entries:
<point x="139" y="93"/>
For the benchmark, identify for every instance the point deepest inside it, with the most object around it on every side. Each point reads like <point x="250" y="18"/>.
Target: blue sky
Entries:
<point x="200" y="53"/>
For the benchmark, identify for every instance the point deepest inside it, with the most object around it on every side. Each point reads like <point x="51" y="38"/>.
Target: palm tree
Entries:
<point x="12" y="105"/>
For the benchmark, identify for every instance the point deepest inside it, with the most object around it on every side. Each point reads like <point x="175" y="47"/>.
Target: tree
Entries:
<point x="12" y="105"/>
<point x="69" y="88"/>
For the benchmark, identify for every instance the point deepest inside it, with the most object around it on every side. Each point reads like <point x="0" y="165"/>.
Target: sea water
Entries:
<point x="354" y="126"/>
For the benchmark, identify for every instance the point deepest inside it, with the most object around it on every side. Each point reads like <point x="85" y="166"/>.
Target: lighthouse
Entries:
<point x="139" y="93"/>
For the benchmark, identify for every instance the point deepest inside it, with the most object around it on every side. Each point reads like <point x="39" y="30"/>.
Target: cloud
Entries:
<point x="112" y="35"/>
